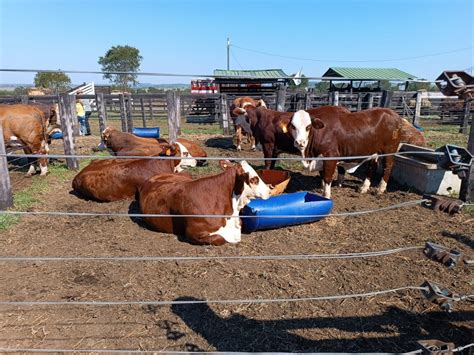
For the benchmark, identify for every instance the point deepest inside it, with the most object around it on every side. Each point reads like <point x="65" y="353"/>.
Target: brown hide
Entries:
<point x="194" y="149"/>
<point x="411" y="135"/>
<point x="118" y="179"/>
<point x="241" y="102"/>
<point x="127" y="144"/>
<point x="354" y="134"/>
<point x="168" y="194"/>
<point x="27" y="123"/>
<point x="270" y="129"/>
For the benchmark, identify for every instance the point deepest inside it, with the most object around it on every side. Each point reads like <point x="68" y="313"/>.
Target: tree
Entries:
<point x="321" y="87"/>
<point x="57" y="81"/>
<point x="302" y="85"/>
<point x="121" y="59"/>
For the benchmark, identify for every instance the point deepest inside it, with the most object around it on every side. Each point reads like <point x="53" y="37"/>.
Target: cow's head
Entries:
<point x="248" y="184"/>
<point x="300" y="126"/>
<point x="172" y="150"/>
<point x="106" y="133"/>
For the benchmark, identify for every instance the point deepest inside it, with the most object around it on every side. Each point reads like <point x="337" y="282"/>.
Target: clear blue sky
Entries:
<point x="185" y="36"/>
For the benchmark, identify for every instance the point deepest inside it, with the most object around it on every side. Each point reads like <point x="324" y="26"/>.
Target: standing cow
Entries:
<point x="241" y="103"/>
<point x="365" y="133"/>
<point x="24" y="127"/>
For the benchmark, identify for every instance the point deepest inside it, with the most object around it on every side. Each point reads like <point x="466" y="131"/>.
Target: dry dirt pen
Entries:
<point x="391" y="322"/>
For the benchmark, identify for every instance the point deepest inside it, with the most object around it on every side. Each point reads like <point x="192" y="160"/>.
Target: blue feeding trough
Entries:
<point x="149" y="132"/>
<point x="295" y="204"/>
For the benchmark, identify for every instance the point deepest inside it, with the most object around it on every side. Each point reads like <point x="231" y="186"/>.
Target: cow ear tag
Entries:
<point x="284" y="128"/>
<point x="168" y="152"/>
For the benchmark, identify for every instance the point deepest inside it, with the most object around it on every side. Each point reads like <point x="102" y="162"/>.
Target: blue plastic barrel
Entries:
<point x="294" y="204"/>
<point x="149" y="132"/>
<point x="56" y="135"/>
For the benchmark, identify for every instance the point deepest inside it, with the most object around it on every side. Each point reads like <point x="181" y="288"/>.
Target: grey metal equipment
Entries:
<point x="455" y="158"/>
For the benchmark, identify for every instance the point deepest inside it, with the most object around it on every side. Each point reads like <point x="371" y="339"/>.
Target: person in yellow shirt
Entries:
<point x="81" y="116"/>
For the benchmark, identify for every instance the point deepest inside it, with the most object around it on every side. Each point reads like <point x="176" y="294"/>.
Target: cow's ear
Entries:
<point x="239" y="111"/>
<point x="284" y="123"/>
<point x="317" y="123"/>
<point x="225" y="164"/>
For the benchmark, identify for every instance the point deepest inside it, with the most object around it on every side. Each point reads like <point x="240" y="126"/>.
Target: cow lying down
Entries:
<point x="222" y="194"/>
<point x="118" y="179"/>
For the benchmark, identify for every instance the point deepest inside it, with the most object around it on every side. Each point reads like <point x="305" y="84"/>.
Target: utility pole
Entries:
<point x="228" y="49"/>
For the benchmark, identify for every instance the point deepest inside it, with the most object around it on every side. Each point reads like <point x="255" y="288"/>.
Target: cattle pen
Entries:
<point x="83" y="276"/>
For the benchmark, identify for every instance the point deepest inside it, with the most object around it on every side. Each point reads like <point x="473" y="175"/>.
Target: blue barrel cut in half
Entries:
<point x="296" y="204"/>
<point x="149" y="132"/>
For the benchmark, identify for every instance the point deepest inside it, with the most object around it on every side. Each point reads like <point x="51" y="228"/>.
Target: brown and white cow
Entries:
<point x="364" y="133"/>
<point x="270" y="129"/>
<point x="410" y="134"/>
<point x="222" y="194"/>
<point x="24" y="128"/>
<point x="118" y="179"/>
<point x="242" y="103"/>
<point x="189" y="150"/>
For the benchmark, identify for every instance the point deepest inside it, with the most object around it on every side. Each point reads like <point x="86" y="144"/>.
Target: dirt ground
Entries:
<point x="386" y="323"/>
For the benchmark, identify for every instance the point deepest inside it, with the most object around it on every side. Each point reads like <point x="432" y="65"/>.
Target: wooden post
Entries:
<point x="386" y="98"/>
<point x="465" y="117"/>
<point x="6" y="195"/>
<point x="142" y="106"/>
<point x="335" y="98"/>
<point x="224" y="114"/>
<point x="172" y="104"/>
<point x="24" y="99"/>
<point x="280" y="99"/>
<point x="466" y="192"/>
<point x="307" y="101"/>
<point x="371" y="101"/>
<point x="416" y="116"/>
<point x="123" y="112"/>
<point x="359" y="102"/>
<point x="128" y="104"/>
<point x="150" y="107"/>
<point x="99" y="99"/>
<point x="73" y="114"/>
<point x="65" y="101"/>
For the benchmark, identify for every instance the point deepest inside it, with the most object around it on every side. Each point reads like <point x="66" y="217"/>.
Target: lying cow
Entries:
<point x="222" y="194"/>
<point x="270" y="128"/>
<point x="365" y="133"/>
<point x="118" y="179"/>
<point x="24" y="128"/>
<point x="189" y="150"/>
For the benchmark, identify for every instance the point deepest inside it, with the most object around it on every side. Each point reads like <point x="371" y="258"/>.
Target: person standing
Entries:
<point x="81" y="116"/>
<point x="86" y="103"/>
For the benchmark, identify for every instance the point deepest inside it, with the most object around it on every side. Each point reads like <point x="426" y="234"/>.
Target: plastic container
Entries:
<point x="295" y="204"/>
<point x="149" y="132"/>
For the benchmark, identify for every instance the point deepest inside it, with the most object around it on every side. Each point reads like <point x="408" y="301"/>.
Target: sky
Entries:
<point x="189" y="37"/>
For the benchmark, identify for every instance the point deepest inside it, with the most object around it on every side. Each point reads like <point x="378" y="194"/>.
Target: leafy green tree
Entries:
<point x="321" y="87"/>
<point x="56" y="81"/>
<point x="302" y="85"/>
<point x="121" y="59"/>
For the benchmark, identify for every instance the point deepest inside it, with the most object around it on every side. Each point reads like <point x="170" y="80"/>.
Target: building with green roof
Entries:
<point x="364" y="79"/>
<point x="250" y="82"/>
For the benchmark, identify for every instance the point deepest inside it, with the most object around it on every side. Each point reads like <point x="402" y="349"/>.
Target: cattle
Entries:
<point x="24" y="128"/>
<point x="410" y="134"/>
<point x="270" y="129"/>
<point x="222" y="194"/>
<point x="189" y="150"/>
<point x="118" y="179"/>
<point x="127" y="144"/>
<point x="242" y="103"/>
<point x="365" y="133"/>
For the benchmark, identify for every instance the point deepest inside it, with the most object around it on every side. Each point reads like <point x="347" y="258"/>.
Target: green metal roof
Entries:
<point x="368" y="73"/>
<point x="251" y="74"/>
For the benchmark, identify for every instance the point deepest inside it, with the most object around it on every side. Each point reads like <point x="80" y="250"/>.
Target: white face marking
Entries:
<point x="259" y="190"/>
<point x="13" y="138"/>
<point x="365" y="186"/>
<point x="185" y="153"/>
<point x="231" y="231"/>
<point x="298" y="129"/>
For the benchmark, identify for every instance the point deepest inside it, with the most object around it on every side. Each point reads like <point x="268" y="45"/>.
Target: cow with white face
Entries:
<point x="330" y="132"/>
